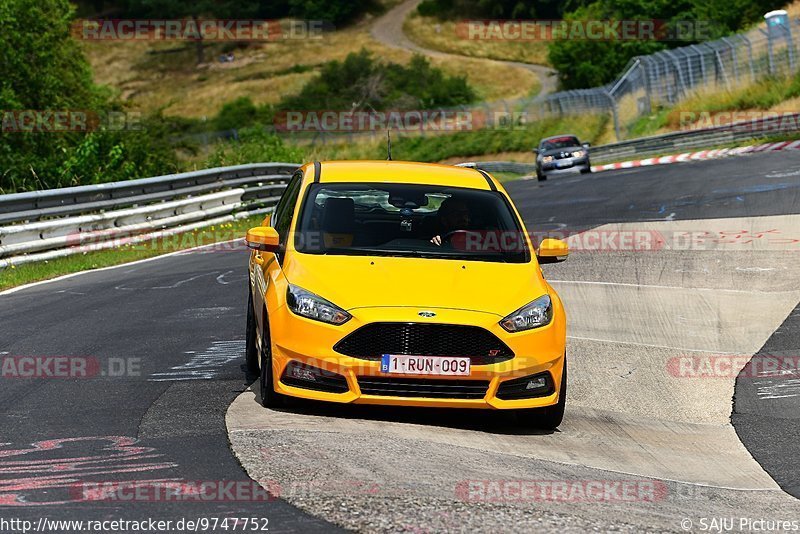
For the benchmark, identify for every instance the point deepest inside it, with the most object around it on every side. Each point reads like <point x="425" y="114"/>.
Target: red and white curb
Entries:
<point x="703" y="154"/>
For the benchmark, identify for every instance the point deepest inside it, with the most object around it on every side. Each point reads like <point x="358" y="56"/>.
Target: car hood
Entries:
<point x="377" y="281"/>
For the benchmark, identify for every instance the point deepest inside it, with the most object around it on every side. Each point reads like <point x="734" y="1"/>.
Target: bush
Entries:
<point x="255" y="145"/>
<point x="44" y="69"/>
<point x="362" y="83"/>
<point x="240" y="113"/>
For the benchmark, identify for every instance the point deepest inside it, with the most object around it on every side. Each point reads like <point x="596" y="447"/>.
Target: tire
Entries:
<point x="541" y="176"/>
<point x="250" y="348"/>
<point x="587" y="169"/>
<point x="550" y="417"/>
<point x="269" y="397"/>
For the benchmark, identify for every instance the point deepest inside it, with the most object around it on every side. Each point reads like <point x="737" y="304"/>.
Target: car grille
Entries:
<point x="413" y="387"/>
<point x="370" y="342"/>
<point x="565" y="154"/>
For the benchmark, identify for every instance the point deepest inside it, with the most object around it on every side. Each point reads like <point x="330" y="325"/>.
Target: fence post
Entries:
<point x="734" y="57"/>
<point x="746" y="39"/>
<point x="697" y="50"/>
<point x="768" y="35"/>
<point x="677" y="65"/>
<point x="789" y="45"/>
<point x="614" y="113"/>
<point x="646" y="65"/>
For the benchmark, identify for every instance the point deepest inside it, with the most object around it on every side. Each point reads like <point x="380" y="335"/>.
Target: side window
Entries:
<point x="285" y="207"/>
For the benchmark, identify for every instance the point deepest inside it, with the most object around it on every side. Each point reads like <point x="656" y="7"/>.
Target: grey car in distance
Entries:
<point x="561" y="153"/>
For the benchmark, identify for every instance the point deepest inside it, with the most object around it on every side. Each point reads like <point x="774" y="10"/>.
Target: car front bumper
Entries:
<point x="565" y="164"/>
<point x="309" y="344"/>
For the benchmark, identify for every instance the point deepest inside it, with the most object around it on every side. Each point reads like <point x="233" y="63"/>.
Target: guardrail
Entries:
<point x="702" y="138"/>
<point x="41" y="225"/>
<point x="60" y="222"/>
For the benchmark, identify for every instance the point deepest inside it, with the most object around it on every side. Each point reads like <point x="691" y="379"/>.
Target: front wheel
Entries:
<point x="550" y="417"/>
<point x="250" y="350"/>
<point x="541" y="176"/>
<point x="269" y="397"/>
<point x="587" y="169"/>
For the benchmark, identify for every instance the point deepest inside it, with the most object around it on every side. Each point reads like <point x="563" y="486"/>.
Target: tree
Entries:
<point x="193" y="9"/>
<point x="44" y="69"/>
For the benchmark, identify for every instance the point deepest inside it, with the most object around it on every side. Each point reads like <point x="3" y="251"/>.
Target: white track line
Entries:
<point x="683" y="349"/>
<point x="652" y="286"/>
<point x="127" y="264"/>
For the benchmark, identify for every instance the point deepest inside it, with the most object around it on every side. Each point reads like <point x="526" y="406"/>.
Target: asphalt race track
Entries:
<point x="715" y="279"/>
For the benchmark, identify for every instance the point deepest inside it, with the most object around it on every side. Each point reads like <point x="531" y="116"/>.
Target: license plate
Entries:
<point x="425" y="365"/>
<point x="563" y="164"/>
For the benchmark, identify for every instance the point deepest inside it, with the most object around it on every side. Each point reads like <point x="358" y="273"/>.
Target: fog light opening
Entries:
<point x="526" y="387"/>
<point x="304" y="376"/>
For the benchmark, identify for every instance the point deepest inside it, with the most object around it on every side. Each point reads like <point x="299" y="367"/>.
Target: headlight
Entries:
<point x="547" y="159"/>
<point x="537" y="313"/>
<point x="307" y="304"/>
<point x="577" y="154"/>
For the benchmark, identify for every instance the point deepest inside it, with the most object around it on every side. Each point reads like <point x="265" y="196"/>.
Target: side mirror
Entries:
<point x="263" y="238"/>
<point x="552" y="251"/>
<point x="536" y="151"/>
<point x="586" y="145"/>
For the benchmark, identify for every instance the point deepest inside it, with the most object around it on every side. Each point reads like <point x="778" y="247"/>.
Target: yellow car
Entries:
<point x="409" y="284"/>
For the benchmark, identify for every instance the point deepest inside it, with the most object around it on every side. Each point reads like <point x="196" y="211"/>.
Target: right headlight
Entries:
<point x="537" y="313"/>
<point x="547" y="159"/>
<point x="307" y="304"/>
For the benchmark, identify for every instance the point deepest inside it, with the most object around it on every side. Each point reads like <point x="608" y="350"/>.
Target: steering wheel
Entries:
<point x="461" y="236"/>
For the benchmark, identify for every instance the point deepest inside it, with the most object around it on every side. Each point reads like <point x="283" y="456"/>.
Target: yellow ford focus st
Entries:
<point x="411" y="284"/>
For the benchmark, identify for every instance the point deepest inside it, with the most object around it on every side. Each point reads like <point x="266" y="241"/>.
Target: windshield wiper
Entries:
<point x="413" y="253"/>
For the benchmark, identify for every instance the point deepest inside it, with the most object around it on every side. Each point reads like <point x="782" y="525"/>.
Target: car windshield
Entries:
<point x="409" y="220"/>
<point x="560" y="142"/>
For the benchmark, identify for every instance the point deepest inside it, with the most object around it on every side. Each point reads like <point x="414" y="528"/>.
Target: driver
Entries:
<point x="453" y="215"/>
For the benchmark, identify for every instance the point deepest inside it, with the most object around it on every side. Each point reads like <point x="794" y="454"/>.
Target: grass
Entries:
<point x="151" y="76"/>
<point x="486" y="141"/>
<point x="43" y="270"/>
<point x="503" y="177"/>
<point x="769" y="94"/>
<point x="444" y="36"/>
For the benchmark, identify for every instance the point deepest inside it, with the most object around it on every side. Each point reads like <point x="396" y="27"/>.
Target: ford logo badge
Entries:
<point x="426" y="314"/>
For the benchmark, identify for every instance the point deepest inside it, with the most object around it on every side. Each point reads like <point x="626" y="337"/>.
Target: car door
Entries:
<point x="268" y="264"/>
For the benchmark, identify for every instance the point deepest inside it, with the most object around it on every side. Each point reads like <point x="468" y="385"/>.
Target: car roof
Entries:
<point x="381" y="171"/>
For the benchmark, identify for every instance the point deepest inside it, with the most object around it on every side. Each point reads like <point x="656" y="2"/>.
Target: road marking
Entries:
<point x="653" y="286"/>
<point x="780" y="389"/>
<point x="581" y="338"/>
<point x="204" y="365"/>
<point x="44" y="467"/>
<point x="221" y="278"/>
<point x="173" y="286"/>
<point x="128" y="264"/>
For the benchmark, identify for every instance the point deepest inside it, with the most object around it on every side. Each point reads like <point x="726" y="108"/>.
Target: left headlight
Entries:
<point x="307" y="304"/>
<point x="578" y="154"/>
<point x="537" y="313"/>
